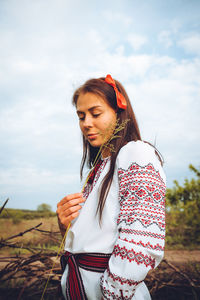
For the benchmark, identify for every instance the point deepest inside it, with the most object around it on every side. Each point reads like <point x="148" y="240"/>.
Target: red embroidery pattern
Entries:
<point x="123" y="280"/>
<point x="142" y="203"/>
<point x="142" y="196"/>
<point x="115" y="294"/>
<point x="147" y="245"/>
<point x="144" y="233"/>
<point x="89" y="187"/>
<point x="94" y="171"/>
<point x="131" y="255"/>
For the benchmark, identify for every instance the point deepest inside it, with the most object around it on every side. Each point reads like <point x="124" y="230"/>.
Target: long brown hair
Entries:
<point x="129" y="133"/>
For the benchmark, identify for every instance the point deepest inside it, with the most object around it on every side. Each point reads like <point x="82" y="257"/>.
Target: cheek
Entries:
<point x="108" y="125"/>
<point x="109" y="119"/>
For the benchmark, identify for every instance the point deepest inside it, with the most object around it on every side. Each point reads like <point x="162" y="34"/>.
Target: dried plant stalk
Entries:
<point x="115" y="129"/>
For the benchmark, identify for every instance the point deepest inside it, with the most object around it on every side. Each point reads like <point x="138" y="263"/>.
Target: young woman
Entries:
<point x="117" y="225"/>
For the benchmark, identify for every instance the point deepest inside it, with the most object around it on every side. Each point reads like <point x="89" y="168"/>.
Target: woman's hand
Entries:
<point x="68" y="209"/>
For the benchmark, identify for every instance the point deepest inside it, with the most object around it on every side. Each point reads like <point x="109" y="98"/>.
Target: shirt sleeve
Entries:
<point x="141" y="221"/>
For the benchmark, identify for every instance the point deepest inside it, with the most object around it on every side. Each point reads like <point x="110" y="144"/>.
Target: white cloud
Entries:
<point x="43" y="62"/>
<point x="164" y="38"/>
<point x="175" y="25"/>
<point x="168" y="111"/>
<point x="190" y="43"/>
<point x="137" y="41"/>
<point x="187" y="71"/>
<point x="29" y="177"/>
<point x="119" y="18"/>
<point x="34" y="115"/>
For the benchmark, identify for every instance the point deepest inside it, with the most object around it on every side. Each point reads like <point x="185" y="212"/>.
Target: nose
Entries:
<point x="87" y="123"/>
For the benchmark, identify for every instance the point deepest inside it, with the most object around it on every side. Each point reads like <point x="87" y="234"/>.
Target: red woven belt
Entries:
<point x="96" y="262"/>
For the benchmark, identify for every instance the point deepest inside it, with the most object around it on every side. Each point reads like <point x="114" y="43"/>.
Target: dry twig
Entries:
<point x="22" y="233"/>
<point x="1" y="209"/>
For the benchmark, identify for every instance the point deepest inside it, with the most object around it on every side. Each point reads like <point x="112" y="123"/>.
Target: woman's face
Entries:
<point x="96" y="118"/>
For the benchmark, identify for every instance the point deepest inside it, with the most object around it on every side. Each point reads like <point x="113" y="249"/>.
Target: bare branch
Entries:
<point x="22" y="233"/>
<point x="1" y="209"/>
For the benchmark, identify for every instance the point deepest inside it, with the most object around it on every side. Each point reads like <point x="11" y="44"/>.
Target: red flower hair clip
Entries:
<point x="121" y="101"/>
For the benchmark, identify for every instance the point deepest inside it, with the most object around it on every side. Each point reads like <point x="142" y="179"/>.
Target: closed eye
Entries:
<point x="96" y="115"/>
<point x="81" y="116"/>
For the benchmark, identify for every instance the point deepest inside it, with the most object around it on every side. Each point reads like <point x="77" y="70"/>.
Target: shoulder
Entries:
<point x="140" y="154"/>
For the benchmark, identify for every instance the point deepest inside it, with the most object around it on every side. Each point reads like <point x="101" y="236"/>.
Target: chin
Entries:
<point x="95" y="144"/>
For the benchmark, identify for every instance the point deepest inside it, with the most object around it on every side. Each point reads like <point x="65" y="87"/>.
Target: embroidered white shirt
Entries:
<point x="132" y="227"/>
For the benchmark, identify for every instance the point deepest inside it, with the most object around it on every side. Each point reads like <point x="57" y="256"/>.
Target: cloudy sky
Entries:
<point x="48" y="48"/>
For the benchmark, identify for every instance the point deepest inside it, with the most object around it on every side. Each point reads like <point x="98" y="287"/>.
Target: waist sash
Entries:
<point x="95" y="262"/>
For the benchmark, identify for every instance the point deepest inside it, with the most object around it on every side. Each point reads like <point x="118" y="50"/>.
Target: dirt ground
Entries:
<point x="182" y="256"/>
<point x="7" y="228"/>
<point x="173" y="256"/>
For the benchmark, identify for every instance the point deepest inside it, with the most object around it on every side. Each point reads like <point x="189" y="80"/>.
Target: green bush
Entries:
<point x="183" y="212"/>
<point x="44" y="207"/>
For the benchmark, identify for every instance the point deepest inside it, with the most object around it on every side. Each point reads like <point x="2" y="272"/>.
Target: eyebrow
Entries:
<point x="90" y="109"/>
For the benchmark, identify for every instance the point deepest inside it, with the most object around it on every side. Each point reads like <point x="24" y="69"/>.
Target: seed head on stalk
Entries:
<point x="113" y="128"/>
<point x="116" y="129"/>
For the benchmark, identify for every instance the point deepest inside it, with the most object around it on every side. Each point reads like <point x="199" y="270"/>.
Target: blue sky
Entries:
<point x="48" y="48"/>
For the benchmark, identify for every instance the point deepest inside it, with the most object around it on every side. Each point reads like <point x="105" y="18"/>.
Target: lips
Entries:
<point x="92" y="136"/>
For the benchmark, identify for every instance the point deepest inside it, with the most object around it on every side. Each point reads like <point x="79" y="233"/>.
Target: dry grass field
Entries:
<point x="33" y="238"/>
<point x="38" y="239"/>
<point x="177" y="277"/>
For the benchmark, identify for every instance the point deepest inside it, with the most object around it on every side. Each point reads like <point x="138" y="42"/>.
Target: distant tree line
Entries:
<point x="43" y="211"/>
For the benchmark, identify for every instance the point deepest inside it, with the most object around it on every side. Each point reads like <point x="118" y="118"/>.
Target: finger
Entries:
<point x="74" y="196"/>
<point x="70" y="197"/>
<point x="65" y="212"/>
<point x="73" y="202"/>
<point x="67" y="220"/>
<point x="66" y="205"/>
<point x="71" y="210"/>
